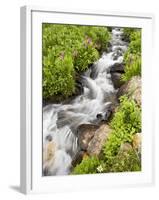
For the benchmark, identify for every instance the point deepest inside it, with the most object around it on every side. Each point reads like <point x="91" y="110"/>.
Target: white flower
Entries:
<point x="100" y="168"/>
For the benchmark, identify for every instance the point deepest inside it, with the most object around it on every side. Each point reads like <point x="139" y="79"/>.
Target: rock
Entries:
<point x="117" y="53"/>
<point x="111" y="97"/>
<point x="49" y="151"/>
<point x="77" y="158"/>
<point x="49" y="138"/>
<point x="85" y="133"/>
<point x="97" y="142"/>
<point x="79" y="89"/>
<point x="137" y="138"/>
<point x="79" y="86"/>
<point x="132" y="88"/>
<point x="106" y="114"/>
<point x="117" y="67"/>
<point x="116" y="79"/>
<point x="48" y="156"/>
<point x="125" y="147"/>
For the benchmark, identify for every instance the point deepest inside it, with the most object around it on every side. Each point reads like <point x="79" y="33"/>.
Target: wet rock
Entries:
<point x="110" y="97"/>
<point x="49" y="138"/>
<point x="117" y="67"/>
<point x="85" y="133"/>
<point x="137" y="142"/>
<point x="78" y="158"/>
<point x="106" y="114"/>
<point x="79" y="89"/>
<point x="117" y="53"/>
<point x="78" y="86"/>
<point x="116" y="79"/>
<point x="132" y="88"/>
<point x="97" y="142"/>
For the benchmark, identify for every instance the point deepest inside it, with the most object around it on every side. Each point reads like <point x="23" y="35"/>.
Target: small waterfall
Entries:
<point x="60" y="121"/>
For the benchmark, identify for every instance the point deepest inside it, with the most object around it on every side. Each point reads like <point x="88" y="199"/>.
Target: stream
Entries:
<point x="60" y="121"/>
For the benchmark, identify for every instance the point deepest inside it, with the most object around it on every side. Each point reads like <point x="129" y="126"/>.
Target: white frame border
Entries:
<point x="27" y="175"/>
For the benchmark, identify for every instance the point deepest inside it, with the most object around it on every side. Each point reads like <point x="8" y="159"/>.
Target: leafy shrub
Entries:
<point x="66" y="49"/>
<point x="128" y="32"/>
<point x="126" y="122"/>
<point x="88" y="165"/>
<point x="132" y="57"/>
<point x="132" y="67"/>
<point x="123" y="162"/>
<point x="58" y="77"/>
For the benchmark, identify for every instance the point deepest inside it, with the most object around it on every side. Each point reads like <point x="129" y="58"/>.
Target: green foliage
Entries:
<point x="132" y="67"/>
<point x="128" y="32"/>
<point x="66" y="49"/>
<point x="132" y="57"/>
<point x="123" y="162"/>
<point x="126" y="122"/>
<point x="88" y="54"/>
<point x="58" y="77"/>
<point x="88" y="165"/>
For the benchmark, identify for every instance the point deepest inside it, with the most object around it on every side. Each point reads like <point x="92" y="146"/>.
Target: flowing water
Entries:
<point x="60" y="121"/>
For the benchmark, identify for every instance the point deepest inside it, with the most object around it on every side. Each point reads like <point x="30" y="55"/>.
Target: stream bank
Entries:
<point x="74" y="130"/>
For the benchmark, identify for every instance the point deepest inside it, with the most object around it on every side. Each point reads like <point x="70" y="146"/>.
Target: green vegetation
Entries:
<point x="123" y="162"/>
<point x="125" y="123"/>
<point x="132" y="57"/>
<point x="87" y="166"/>
<point x="128" y="32"/>
<point x="68" y="49"/>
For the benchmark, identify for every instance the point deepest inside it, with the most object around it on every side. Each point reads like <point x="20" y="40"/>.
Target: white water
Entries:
<point x="61" y="121"/>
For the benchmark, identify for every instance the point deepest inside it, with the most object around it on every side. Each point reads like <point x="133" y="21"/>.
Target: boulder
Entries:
<point x="136" y="141"/>
<point x="97" y="142"/>
<point x="132" y="88"/>
<point x="48" y="151"/>
<point x="117" y="67"/>
<point x="106" y="114"/>
<point x="116" y="79"/>
<point x="110" y="97"/>
<point x="48" y="156"/>
<point x="125" y="147"/>
<point x="77" y="158"/>
<point x="85" y="133"/>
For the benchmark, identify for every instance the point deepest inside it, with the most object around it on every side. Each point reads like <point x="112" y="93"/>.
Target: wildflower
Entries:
<point x="100" y="168"/>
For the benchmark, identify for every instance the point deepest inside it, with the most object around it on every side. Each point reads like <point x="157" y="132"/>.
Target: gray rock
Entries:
<point x="116" y="79"/>
<point x="117" y="53"/>
<point x="117" y="67"/>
